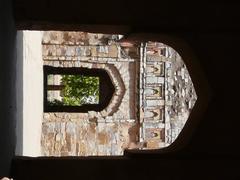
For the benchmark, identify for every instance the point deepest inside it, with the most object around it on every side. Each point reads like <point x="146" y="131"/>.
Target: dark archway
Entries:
<point x="213" y="35"/>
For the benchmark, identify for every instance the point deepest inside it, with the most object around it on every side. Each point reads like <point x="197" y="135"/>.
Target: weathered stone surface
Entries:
<point x="91" y="133"/>
<point x="161" y="66"/>
<point x="155" y="88"/>
<point x="82" y="138"/>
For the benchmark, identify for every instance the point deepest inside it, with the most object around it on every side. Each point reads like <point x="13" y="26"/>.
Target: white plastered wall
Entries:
<point x="29" y="142"/>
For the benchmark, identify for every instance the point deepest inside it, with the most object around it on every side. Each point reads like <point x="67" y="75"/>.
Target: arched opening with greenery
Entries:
<point x="76" y="89"/>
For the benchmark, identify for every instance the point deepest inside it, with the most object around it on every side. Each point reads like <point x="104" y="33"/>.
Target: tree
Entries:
<point x="79" y="89"/>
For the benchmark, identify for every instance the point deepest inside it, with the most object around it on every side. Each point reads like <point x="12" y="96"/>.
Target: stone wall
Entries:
<point x="167" y="95"/>
<point x="78" y="134"/>
<point x="180" y="96"/>
<point x="152" y="101"/>
<point x="152" y="96"/>
<point x="107" y="132"/>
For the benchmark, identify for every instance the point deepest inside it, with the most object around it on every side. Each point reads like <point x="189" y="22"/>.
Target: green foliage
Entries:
<point x="80" y="90"/>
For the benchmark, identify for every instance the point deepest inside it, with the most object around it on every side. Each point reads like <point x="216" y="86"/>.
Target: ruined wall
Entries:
<point x="94" y="133"/>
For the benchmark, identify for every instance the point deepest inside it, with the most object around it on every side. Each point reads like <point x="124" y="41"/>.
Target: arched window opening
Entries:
<point x="76" y="89"/>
